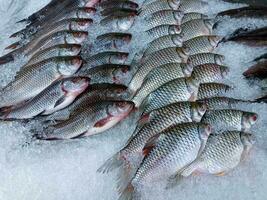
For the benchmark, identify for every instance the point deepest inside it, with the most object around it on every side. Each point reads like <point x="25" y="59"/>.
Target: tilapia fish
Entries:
<point x="205" y="58"/>
<point x="109" y="57"/>
<point x="108" y="73"/>
<point x="208" y="90"/>
<point x="182" y="89"/>
<point x="56" y="97"/>
<point x="33" y="79"/>
<point x="193" y="15"/>
<point x="161" y="57"/>
<point x="126" y="4"/>
<point x="160" y="76"/>
<point x="90" y="120"/>
<point x="229" y="118"/>
<point x="202" y="44"/>
<point x="163" y="42"/>
<point x="188" y="6"/>
<point x="210" y="72"/>
<point x="163" y="30"/>
<point x="152" y="124"/>
<point x="173" y="17"/>
<point x="55" y="51"/>
<point x="222" y="153"/>
<point x="173" y="150"/>
<point x="113" y="40"/>
<point x="117" y="12"/>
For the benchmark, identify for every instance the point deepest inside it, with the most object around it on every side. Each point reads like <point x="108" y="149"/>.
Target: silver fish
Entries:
<point x="193" y="15"/>
<point x="208" y="90"/>
<point x="163" y="30"/>
<point x="205" y="58"/>
<point x="188" y="6"/>
<point x="126" y="4"/>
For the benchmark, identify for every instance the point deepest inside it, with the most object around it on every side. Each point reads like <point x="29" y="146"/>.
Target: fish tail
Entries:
<point x="6" y="58"/>
<point x="127" y="194"/>
<point x="111" y="164"/>
<point x="4" y="112"/>
<point x="26" y="20"/>
<point x="14" y="46"/>
<point x="18" y="34"/>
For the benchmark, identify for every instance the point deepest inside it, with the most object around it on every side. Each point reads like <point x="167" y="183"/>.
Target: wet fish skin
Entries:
<point x="161" y="57"/>
<point x="33" y="79"/>
<point x="192" y="5"/>
<point x="210" y="72"/>
<point x="182" y="89"/>
<point x="222" y="153"/>
<point x="91" y="120"/>
<point x="163" y="30"/>
<point x="56" y="97"/>
<point x="205" y="58"/>
<point x="152" y="124"/>
<point x="174" y="149"/>
<point x="119" y="12"/>
<point x="259" y="70"/>
<point x="208" y="90"/>
<point x="118" y="4"/>
<point x="159" y="76"/>
<point x="193" y="15"/>
<point x="236" y="119"/>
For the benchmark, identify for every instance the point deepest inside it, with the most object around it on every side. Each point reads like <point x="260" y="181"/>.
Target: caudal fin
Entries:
<point x="6" y="59"/>
<point x="14" y="46"/>
<point x="112" y="163"/>
<point x="127" y="194"/>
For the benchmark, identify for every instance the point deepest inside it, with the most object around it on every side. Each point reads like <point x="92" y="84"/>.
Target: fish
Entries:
<point x="119" y="22"/>
<point x="33" y="79"/>
<point x="88" y="121"/>
<point x="172" y="17"/>
<point x="196" y="27"/>
<point x="208" y="90"/>
<point x="158" y="6"/>
<point x="108" y="73"/>
<point x="55" y="51"/>
<point x="173" y="150"/>
<point x="205" y="58"/>
<point x="223" y="152"/>
<point x="61" y="37"/>
<point x="151" y="125"/>
<point x="258" y="70"/>
<point x="163" y="30"/>
<point x="208" y="73"/>
<point x="230" y="118"/>
<point x="159" y="76"/>
<point x="55" y="97"/>
<point x="108" y="57"/>
<point x="174" y="40"/>
<point x="192" y="5"/>
<point x="261" y="99"/>
<point x="117" y="12"/>
<point x="126" y="4"/>
<point x="115" y="40"/>
<point x="214" y="103"/>
<point x="193" y="15"/>
<point x="93" y="94"/>
<point x="202" y="44"/>
<point x="181" y="89"/>
<point x="161" y="57"/>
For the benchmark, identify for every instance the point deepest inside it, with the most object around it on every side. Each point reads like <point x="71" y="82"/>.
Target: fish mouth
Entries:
<point x="225" y="71"/>
<point x="77" y="62"/>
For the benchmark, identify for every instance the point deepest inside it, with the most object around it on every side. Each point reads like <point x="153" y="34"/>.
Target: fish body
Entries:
<point x="193" y="15"/>
<point x="125" y="4"/>
<point x="163" y="30"/>
<point x="208" y="90"/>
<point x="188" y="6"/>
<point x="205" y="58"/>
<point x="258" y="70"/>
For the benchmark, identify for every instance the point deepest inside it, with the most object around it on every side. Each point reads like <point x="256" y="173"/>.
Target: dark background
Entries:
<point x="251" y="2"/>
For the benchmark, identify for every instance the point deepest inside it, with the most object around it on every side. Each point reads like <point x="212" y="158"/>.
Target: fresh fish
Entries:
<point x="163" y="30"/>
<point x="202" y="44"/>
<point x="126" y="4"/>
<point x="172" y="17"/>
<point x="205" y="58"/>
<point x="188" y="6"/>
<point x="158" y="6"/>
<point x="173" y="150"/>
<point x="90" y="120"/>
<point x="108" y="73"/>
<point x="108" y="57"/>
<point x="119" y="22"/>
<point x="210" y="72"/>
<point x="221" y="102"/>
<point x="208" y="90"/>
<point x="55" y="51"/>
<point x="117" y="12"/>
<point x="193" y="15"/>
<point x="262" y="99"/>
<point x="235" y="119"/>
<point x="33" y="79"/>
<point x="182" y="89"/>
<point x="196" y="27"/>
<point x="258" y="70"/>
<point x="248" y="11"/>
<point x="113" y="40"/>
<point x="93" y="94"/>
<point x="151" y="125"/>
<point x="163" y="42"/>
<point x="222" y="153"/>
<point x="56" y="97"/>
<point x="159" y="76"/>
<point x="61" y="37"/>
<point x="164" y="56"/>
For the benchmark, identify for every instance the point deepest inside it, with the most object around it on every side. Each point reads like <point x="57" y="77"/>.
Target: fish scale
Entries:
<point x="162" y="30"/>
<point x="205" y="58"/>
<point x="118" y="4"/>
<point x="193" y="15"/>
<point x="208" y="90"/>
<point x="192" y="5"/>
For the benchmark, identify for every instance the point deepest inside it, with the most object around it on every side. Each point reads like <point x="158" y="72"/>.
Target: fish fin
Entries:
<point x="60" y="101"/>
<point x="19" y="34"/>
<point x="4" y="112"/>
<point x="6" y="58"/>
<point x="144" y="119"/>
<point x="128" y="192"/>
<point x="189" y="169"/>
<point x="112" y="163"/>
<point x="174" y="180"/>
<point x="150" y="144"/>
<point x="24" y="21"/>
<point x="220" y="174"/>
<point x="102" y="122"/>
<point x="14" y="46"/>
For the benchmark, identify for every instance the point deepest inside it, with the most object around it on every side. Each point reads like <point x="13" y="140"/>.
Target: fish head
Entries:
<point x="120" y="108"/>
<point x="127" y="38"/>
<point x="177" y="40"/>
<point x="247" y="139"/>
<point x="209" y="23"/>
<point x="79" y="36"/>
<point x="183" y="52"/>
<point x="132" y="5"/>
<point x="69" y="66"/>
<point x="204" y="131"/>
<point x="248" y="119"/>
<point x="75" y="49"/>
<point x="70" y="49"/>
<point x="178" y="16"/>
<point x="174" y="29"/>
<point x="224" y="71"/>
<point x="119" y="58"/>
<point x="174" y="4"/>
<point x="214" y="40"/>
<point x="121" y="75"/>
<point x="75" y="85"/>
<point x="198" y="109"/>
<point x="86" y="12"/>
<point x="192" y="86"/>
<point x="81" y="24"/>
<point x="125" y="23"/>
<point x="187" y="69"/>
<point x="118" y="92"/>
<point x="219" y="59"/>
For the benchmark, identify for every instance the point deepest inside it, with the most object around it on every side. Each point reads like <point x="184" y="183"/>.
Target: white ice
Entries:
<point x="67" y="170"/>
